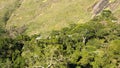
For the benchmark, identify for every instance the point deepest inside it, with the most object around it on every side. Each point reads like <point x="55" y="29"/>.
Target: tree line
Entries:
<point x="94" y="44"/>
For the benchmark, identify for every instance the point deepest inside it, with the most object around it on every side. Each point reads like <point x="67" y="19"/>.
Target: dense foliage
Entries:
<point x="94" y="44"/>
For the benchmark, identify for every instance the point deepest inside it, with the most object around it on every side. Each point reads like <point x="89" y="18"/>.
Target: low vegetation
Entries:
<point x="94" y="44"/>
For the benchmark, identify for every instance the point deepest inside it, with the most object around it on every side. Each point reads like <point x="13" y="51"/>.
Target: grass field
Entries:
<point x="6" y="7"/>
<point x="43" y="16"/>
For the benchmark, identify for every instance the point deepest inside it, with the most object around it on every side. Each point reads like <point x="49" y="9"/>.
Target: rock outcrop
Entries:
<point x="99" y="7"/>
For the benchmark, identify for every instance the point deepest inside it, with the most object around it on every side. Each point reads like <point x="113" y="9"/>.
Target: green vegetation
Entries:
<point x="6" y="10"/>
<point x="94" y="44"/>
<point x="43" y="16"/>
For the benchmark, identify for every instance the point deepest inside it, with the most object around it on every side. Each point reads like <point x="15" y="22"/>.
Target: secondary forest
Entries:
<point x="94" y="44"/>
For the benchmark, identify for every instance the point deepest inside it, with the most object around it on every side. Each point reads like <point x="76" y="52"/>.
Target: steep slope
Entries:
<point x="117" y="9"/>
<point x="7" y="8"/>
<point x="111" y="5"/>
<point x="43" y="16"/>
<point x="90" y="45"/>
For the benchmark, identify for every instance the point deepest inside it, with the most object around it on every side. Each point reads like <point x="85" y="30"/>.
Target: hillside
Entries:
<point x="94" y="44"/>
<point x="46" y="15"/>
<point x="59" y="33"/>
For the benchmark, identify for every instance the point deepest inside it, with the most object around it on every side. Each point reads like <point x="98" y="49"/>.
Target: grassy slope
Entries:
<point x="53" y="14"/>
<point x="117" y="13"/>
<point x="5" y="6"/>
<point x="42" y="16"/>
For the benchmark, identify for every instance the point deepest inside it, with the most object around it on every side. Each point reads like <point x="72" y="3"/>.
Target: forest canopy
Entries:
<point x="94" y="44"/>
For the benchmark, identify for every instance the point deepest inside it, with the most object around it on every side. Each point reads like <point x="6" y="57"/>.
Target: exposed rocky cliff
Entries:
<point x="102" y="4"/>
